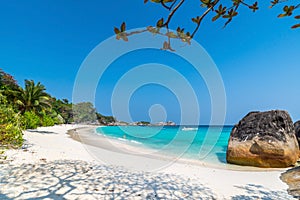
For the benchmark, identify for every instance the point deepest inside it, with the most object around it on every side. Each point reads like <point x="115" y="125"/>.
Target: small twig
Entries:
<point x="202" y="17"/>
<point x="136" y="32"/>
<point x="169" y="39"/>
<point x="242" y="2"/>
<point x="230" y="19"/>
<point x="168" y="7"/>
<point x="173" y="12"/>
<point x="165" y="6"/>
<point x="173" y="4"/>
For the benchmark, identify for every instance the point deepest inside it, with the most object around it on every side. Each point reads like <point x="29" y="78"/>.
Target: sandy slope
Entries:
<point x="55" y="166"/>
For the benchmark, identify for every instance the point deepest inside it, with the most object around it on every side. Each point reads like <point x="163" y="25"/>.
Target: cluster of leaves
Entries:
<point x="10" y="125"/>
<point x="64" y="110"/>
<point x="32" y="107"/>
<point x="288" y="10"/>
<point x="30" y="120"/>
<point x="33" y="98"/>
<point x="226" y="10"/>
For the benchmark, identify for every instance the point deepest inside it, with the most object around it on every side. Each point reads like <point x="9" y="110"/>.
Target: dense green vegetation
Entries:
<point x="105" y="120"/>
<point x="31" y="107"/>
<point x="10" y="125"/>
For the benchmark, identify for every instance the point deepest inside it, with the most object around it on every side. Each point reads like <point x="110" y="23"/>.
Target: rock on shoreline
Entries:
<point x="263" y="139"/>
<point x="297" y="130"/>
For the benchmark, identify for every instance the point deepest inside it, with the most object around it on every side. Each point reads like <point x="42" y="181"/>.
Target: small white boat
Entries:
<point x="189" y="129"/>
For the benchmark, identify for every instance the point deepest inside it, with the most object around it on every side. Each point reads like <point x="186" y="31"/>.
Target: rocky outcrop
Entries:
<point x="297" y="130"/>
<point x="169" y="123"/>
<point x="263" y="139"/>
<point x="292" y="178"/>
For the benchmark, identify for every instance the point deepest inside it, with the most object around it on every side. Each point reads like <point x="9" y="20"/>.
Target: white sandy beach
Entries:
<point x="54" y="166"/>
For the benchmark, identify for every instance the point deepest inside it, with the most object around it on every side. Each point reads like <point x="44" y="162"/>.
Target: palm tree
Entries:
<point x="33" y="98"/>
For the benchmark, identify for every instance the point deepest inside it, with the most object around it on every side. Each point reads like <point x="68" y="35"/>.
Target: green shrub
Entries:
<point x="47" y="120"/>
<point x="10" y="129"/>
<point x="31" y="120"/>
<point x="10" y="136"/>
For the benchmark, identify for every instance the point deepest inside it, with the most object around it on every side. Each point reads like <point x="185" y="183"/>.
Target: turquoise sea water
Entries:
<point x="202" y="143"/>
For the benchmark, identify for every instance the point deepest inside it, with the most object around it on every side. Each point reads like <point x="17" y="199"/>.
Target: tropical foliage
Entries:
<point x="30" y="120"/>
<point x="10" y="125"/>
<point x="64" y="110"/>
<point x="8" y="87"/>
<point x="31" y="107"/>
<point x="33" y="98"/>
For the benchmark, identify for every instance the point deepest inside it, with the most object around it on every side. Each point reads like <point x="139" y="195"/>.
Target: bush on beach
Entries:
<point x="30" y="120"/>
<point x="10" y="127"/>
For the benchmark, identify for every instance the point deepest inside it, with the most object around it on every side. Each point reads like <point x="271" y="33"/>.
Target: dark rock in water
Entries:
<point x="292" y="178"/>
<point x="297" y="130"/>
<point x="263" y="139"/>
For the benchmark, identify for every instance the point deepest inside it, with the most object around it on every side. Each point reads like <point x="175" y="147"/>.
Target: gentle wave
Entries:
<point x="176" y="139"/>
<point x="117" y="138"/>
<point x="127" y="140"/>
<point x="189" y="129"/>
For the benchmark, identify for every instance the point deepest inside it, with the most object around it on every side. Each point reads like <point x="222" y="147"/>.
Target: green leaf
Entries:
<point x="221" y="10"/>
<point x="117" y="31"/>
<point x="254" y="7"/>
<point x="296" y="26"/>
<point x="281" y="15"/>
<point x="160" y="23"/>
<point x="273" y="3"/>
<point x="216" y="17"/>
<point x="234" y="14"/>
<point x="195" y="20"/>
<point x="205" y="1"/>
<point x="123" y="27"/>
<point x="180" y="32"/>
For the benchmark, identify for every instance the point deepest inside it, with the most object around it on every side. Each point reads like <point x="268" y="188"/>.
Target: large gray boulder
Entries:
<point x="297" y="130"/>
<point x="263" y="139"/>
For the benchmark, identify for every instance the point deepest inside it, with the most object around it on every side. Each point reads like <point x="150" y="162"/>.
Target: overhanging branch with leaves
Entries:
<point x="227" y="12"/>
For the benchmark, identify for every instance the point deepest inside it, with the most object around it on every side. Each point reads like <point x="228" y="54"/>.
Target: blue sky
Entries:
<point x="257" y="54"/>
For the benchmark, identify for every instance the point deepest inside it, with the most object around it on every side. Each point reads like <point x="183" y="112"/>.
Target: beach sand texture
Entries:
<point x="54" y="166"/>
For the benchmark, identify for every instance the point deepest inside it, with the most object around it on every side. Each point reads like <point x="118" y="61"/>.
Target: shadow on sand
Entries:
<point x="41" y="132"/>
<point x="78" y="179"/>
<point x="259" y="192"/>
